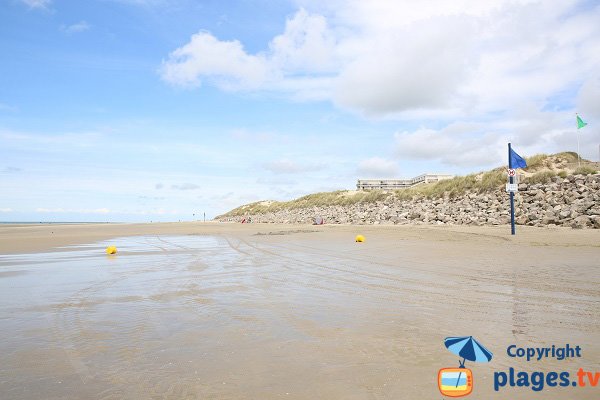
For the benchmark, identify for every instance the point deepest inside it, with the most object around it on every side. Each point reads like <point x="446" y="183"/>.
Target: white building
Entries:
<point x="392" y="184"/>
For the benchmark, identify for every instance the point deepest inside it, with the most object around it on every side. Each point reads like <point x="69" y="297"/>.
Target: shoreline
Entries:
<point x="16" y="239"/>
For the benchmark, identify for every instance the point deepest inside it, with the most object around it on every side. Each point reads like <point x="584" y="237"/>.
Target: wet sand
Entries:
<point x="231" y="311"/>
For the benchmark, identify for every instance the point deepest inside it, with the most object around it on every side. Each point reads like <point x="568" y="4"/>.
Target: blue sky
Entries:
<point x="139" y="110"/>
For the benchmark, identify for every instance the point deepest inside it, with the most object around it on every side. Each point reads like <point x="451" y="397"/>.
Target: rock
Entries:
<point x="593" y="211"/>
<point x="583" y="221"/>
<point x="565" y="214"/>
<point x="533" y="217"/>
<point x="574" y="201"/>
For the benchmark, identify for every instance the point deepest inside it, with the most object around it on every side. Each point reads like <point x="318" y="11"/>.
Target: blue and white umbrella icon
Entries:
<point x="467" y="348"/>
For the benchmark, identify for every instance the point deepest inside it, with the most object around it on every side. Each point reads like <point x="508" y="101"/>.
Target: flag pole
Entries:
<point x="578" y="156"/>
<point x="512" y="197"/>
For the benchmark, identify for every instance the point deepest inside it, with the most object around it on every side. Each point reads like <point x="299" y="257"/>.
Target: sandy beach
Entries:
<point x="257" y="311"/>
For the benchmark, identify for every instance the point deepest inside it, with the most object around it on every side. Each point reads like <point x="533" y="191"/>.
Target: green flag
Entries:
<point x="580" y="123"/>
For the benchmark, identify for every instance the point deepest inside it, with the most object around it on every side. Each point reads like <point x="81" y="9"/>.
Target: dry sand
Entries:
<point x="231" y="311"/>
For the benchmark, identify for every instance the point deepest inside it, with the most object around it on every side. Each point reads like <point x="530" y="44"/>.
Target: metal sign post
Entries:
<point x="512" y="194"/>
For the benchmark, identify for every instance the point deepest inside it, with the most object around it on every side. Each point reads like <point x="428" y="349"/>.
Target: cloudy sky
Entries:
<point x="139" y="110"/>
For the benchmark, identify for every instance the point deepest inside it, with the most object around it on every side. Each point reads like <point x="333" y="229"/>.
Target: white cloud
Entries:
<point x="76" y="211"/>
<point x="41" y="209"/>
<point x="484" y="143"/>
<point x="154" y="211"/>
<point x="72" y="140"/>
<point x="6" y="210"/>
<point x="41" y="4"/>
<point x="255" y="137"/>
<point x="305" y="47"/>
<point x="588" y="98"/>
<point x="186" y="186"/>
<point x="286" y="166"/>
<point x="104" y="211"/>
<point x="458" y="148"/>
<point x="471" y="56"/>
<point x="278" y="181"/>
<point x="225" y="63"/>
<point x="80" y="26"/>
<point x="471" y="74"/>
<point x="401" y="70"/>
<point x="407" y="58"/>
<point x="376" y="167"/>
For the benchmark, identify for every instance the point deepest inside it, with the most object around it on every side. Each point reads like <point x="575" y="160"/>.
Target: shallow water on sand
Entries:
<point x="222" y="317"/>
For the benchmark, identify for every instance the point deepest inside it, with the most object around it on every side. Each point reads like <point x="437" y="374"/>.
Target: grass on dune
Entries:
<point x="585" y="170"/>
<point x="536" y="161"/>
<point x="570" y="156"/>
<point x="540" y="161"/>
<point x="337" y="198"/>
<point x="490" y="180"/>
<point x="541" y="177"/>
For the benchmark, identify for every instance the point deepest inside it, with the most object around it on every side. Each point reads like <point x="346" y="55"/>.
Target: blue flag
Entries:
<point x="516" y="161"/>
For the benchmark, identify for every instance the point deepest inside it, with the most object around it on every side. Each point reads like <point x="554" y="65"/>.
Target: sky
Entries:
<point x="163" y="110"/>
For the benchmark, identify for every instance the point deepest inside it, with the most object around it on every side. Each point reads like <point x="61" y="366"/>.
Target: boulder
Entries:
<point x="583" y="221"/>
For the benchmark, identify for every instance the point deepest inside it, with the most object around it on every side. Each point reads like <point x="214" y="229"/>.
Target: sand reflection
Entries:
<point x="262" y="316"/>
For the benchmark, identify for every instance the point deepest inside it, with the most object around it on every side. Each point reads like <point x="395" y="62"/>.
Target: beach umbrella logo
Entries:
<point x="458" y="382"/>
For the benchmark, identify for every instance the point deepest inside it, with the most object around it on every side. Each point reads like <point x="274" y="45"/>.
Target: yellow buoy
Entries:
<point x="359" y="239"/>
<point x="111" y="250"/>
